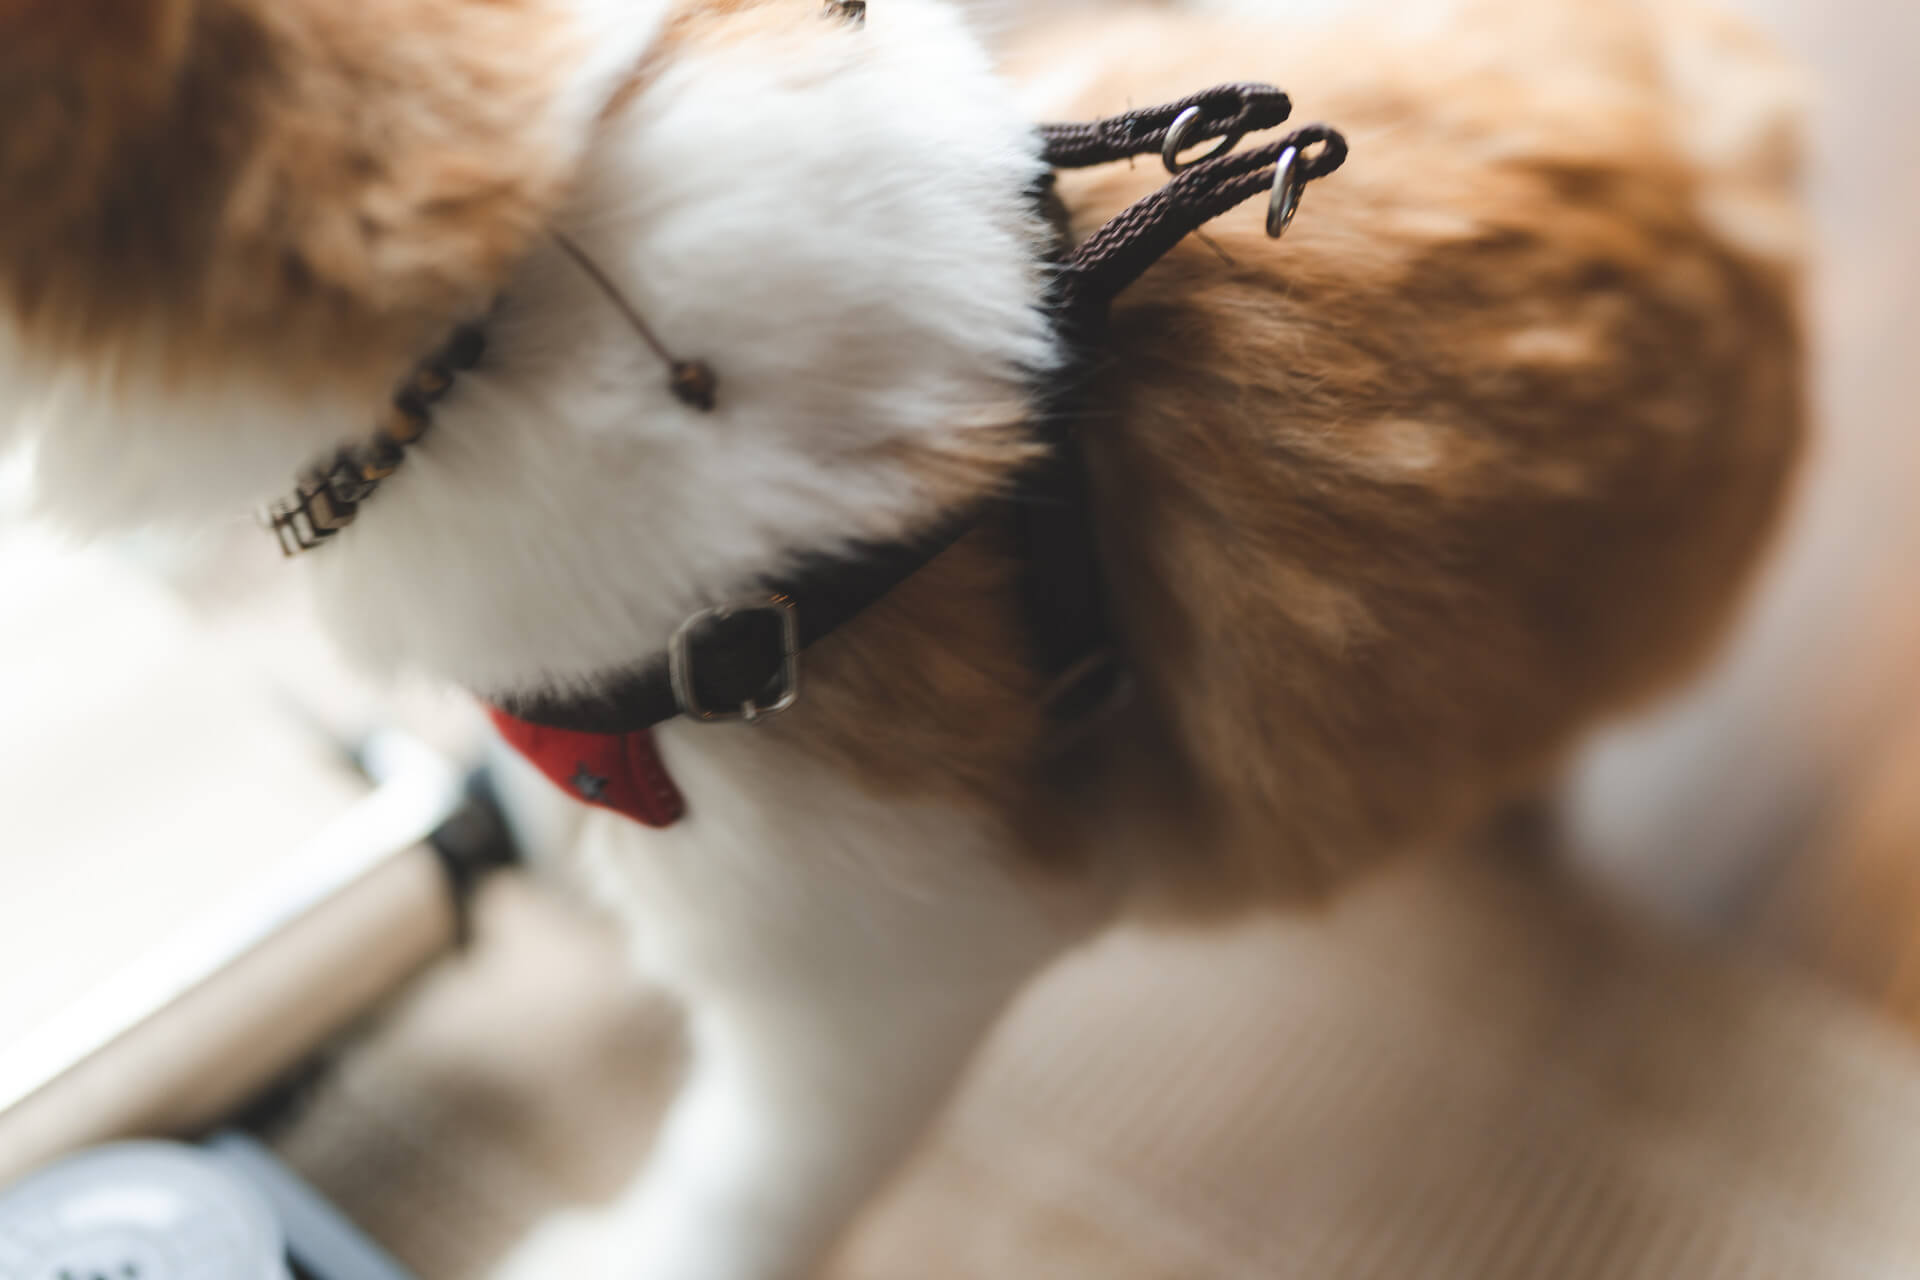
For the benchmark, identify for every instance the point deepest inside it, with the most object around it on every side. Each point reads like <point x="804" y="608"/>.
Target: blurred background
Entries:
<point x="1770" y="803"/>
<point x="1674" y="1037"/>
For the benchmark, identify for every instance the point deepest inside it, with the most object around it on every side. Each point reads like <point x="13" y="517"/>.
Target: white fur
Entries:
<point x="840" y="956"/>
<point x="845" y="238"/>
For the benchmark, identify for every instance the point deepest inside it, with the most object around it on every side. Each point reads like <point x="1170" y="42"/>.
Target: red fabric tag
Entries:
<point x="617" y="771"/>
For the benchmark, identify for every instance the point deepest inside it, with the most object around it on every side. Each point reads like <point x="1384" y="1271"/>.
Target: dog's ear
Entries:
<point x="123" y="45"/>
<point x="76" y="77"/>
<point x="113" y="166"/>
<point x="309" y="187"/>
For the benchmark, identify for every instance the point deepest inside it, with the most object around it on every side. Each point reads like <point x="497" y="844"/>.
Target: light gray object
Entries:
<point x="162" y="1211"/>
<point x="139" y="1211"/>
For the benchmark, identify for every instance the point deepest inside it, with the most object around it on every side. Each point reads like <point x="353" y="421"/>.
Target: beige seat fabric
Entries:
<point x="1467" y="1070"/>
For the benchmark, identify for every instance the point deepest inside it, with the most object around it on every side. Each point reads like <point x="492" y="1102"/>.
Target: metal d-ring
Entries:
<point x="1287" y="186"/>
<point x="1181" y="130"/>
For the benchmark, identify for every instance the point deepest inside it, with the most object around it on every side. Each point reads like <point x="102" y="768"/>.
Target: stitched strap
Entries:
<point x="1226" y="111"/>
<point x="736" y="662"/>
<point x="1118" y="253"/>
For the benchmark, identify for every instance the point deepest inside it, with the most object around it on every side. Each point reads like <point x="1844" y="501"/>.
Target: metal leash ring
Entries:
<point x="1287" y="188"/>
<point x="1181" y="130"/>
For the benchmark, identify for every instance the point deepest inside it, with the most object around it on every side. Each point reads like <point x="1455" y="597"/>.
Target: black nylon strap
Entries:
<point x="1064" y="589"/>
<point x="1115" y="256"/>
<point x="1226" y="111"/>
<point x="736" y="662"/>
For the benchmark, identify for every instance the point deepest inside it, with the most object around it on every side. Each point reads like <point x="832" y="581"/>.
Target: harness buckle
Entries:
<point x="751" y="651"/>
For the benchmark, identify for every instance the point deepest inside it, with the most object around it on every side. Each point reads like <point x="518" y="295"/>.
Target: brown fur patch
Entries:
<point x="316" y="188"/>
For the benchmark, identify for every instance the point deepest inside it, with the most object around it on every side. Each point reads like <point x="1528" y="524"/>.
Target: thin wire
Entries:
<point x="614" y="296"/>
<point x="692" y="381"/>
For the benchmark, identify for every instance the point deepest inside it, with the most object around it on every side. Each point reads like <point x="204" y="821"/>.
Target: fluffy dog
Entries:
<point x="1388" y="510"/>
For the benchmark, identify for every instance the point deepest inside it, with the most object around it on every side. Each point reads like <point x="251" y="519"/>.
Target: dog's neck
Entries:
<point x="866" y="293"/>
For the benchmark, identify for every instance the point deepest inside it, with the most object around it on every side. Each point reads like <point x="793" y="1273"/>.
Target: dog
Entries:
<point x="702" y="295"/>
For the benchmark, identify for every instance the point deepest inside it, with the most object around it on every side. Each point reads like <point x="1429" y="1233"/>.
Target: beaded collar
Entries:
<point x="328" y="494"/>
